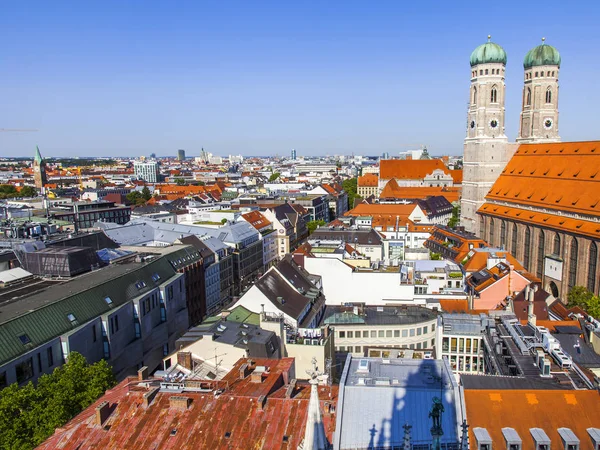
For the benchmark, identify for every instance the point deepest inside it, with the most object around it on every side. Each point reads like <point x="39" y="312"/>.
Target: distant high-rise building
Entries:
<point x="181" y="155"/>
<point x="153" y="155"/>
<point x="39" y="170"/>
<point x="294" y="154"/>
<point x="146" y="170"/>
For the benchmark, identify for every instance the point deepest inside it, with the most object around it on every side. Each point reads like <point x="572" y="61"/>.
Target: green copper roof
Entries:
<point x="38" y="156"/>
<point x="488" y="53"/>
<point x="542" y="55"/>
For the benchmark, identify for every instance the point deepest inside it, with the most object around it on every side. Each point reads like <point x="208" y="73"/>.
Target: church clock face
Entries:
<point x="548" y="123"/>
<point x="493" y="123"/>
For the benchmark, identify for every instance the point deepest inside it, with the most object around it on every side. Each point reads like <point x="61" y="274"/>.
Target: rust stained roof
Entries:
<point x="524" y="409"/>
<point x="409" y="168"/>
<point x="369" y="179"/>
<point x="563" y="176"/>
<point x="205" y="424"/>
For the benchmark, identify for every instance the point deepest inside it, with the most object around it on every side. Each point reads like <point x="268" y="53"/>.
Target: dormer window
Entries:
<point x="540" y="439"/>
<point x="569" y="439"/>
<point x="483" y="439"/>
<point x="512" y="438"/>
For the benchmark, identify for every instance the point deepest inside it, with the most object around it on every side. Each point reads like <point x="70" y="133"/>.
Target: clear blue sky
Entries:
<point x="136" y="77"/>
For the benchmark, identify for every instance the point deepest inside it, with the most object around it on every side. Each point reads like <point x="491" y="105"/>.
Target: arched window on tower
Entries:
<point x="592" y="264"/>
<point x="492" y="231"/>
<point x="475" y="96"/>
<point x="540" y="255"/>
<point x="528" y="101"/>
<point x="513" y="246"/>
<point x="503" y="234"/>
<point x="548" y="95"/>
<point x="573" y="264"/>
<point x="527" y="248"/>
<point x="494" y="95"/>
<point x="556" y="245"/>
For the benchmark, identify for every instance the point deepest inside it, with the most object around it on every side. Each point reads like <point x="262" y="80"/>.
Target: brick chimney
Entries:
<point x="102" y="413"/>
<point x="184" y="359"/>
<point x="244" y="371"/>
<point x="262" y="402"/>
<point x="179" y="402"/>
<point x="143" y="373"/>
<point x="149" y="396"/>
<point x="256" y="377"/>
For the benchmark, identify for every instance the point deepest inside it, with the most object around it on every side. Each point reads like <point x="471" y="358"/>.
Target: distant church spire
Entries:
<point x="314" y="435"/>
<point x="39" y="169"/>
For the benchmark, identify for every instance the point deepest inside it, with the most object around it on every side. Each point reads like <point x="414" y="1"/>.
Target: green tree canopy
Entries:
<point x="350" y="186"/>
<point x="455" y="219"/>
<point x="313" y="225"/>
<point x="274" y="176"/>
<point x="586" y="300"/>
<point x="135" y="197"/>
<point x="180" y="182"/>
<point x="28" y="191"/>
<point x="146" y="195"/>
<point x="8" y="191"/>
<point x="30" y="414"/>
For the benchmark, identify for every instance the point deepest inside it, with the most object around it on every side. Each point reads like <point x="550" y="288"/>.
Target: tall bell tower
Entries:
<point x="485" y="147"/>
<point x="539" y="113"/>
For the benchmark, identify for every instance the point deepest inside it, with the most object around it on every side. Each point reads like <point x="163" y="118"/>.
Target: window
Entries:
<point x="350" y="334"/>
<point x="503" y="234"/>
<point x="357" y="349"/>
<point x="419" y="331"/>
<point x="342" y="334"/>
<point x="108" y="301"/>
<point x="50" y="357"/>
<point x="573" y="263"/>
<point x="527" y="248"/>
<point x="537" y="74"/>
<point x="3" y="382"/>
<point x="373" y="333"/>
<point x="166" y="349"/>
<point x="72" y="319"/>
<point x="24" y="370"/>
<point x="381" y="333"/>
<point x="24" y="339"/>
<point x="492" y="231"/>
<point x="432" y="327"/>
<point x="514" y="240"/>
<point x="540" y="255"/>
<point x="412" y="332"/>
<point x="404" y="333"/>
<point x="39" y="358"/>
<point x="116" y="323"/>
<point x="453" y="344"/>
<point x="93" y="333"/>
<point x="474" y="96"/>
<point x="365" y="333"/>
<point x="528" y="101"/>
<point x="548" y="95"/>
<point x="494" y="95"/>
<point x="424" y="330"/>
<point x="342" y="348"/>
<point x="396" y="333"/>
<point x="486" y="71"/>
<point x="418" y="346"/>
<point x="592" y="263"/>
<point x="388" y="333"/>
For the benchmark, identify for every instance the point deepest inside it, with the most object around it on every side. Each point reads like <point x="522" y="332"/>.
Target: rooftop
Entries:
<point x="377" y="315"/>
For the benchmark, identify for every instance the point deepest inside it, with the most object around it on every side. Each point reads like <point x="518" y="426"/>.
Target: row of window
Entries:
<point x="466" y="363"/>
<point x="359" y="334"/>
<point x="359" y="349"/>
<point x="462" y="345"/>
<point x="24" y="371"/>
<point x="528" y="75"/>
<point x="548" y="96"/>
<point x="487" y="72"/>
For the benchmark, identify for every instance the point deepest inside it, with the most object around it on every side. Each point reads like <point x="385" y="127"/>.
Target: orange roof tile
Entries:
<point x="369" y="179"/>
<point x="455" y="306"/>
<point x="256" y="219"/>
<point x="372" y="209"/>
<point x="457" y="175"/>
<point x="409" y="168"/>
<point x="525" y="409"/>
<point x="392" y="190"/>
<point x="561" y="176"/>
<point x="477" y="260"/>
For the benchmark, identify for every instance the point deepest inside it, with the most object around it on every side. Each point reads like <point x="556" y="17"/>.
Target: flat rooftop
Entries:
<point x="378" y="315"/>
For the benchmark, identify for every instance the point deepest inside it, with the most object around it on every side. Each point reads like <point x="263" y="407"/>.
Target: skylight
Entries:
<point x="72" y="319"/>
<point x="108" y="301"/>
<point x="24" y="339"/>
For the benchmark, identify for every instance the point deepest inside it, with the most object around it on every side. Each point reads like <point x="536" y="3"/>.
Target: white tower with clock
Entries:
<point x="539" y="113"/>
<point x="486" y="149"/>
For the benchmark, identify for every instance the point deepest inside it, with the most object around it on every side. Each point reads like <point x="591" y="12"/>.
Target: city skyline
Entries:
<point x="323" y="79"/>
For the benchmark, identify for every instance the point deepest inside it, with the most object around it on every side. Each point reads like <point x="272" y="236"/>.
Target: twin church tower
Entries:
<point x="486" y="149"/>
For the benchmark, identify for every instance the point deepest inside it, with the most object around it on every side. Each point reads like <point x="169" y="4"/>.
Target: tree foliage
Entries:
<point x="135" y="197"/>
<point x="313" y="225"/>
<point x="146" y="194"/>
<point x="30" y="414"/>
<point x="273" y="177"/>
<point x="180" y="182"/>
<point x="455" y="219"/>
<point x="8" y="191"/>
<point x="350" y="186"/>
<point x="586" y="300"/>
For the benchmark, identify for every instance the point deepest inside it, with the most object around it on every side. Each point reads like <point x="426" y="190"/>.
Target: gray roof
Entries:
<point x="378" y="315"/>
<point x="362" y="237"/>
<point x="466" y="324"/>
<point x="574" y="346"/>
<point x="43" y="315"/>
<point x="375" y="404"/>
<point x="508" y="382"/>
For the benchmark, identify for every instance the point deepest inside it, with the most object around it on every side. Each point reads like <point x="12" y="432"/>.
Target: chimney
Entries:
<point x="149" y="396"/>
<point x="179" y="402"/>
<point x="256" y="377"/>
<point x="262" y="401"/>
<point x="143" y="373"/>
<point x="184" y="359"/>
<point x="289" y="392"/>
<point x="244" y="371"/>
<point x="102" y="413"/>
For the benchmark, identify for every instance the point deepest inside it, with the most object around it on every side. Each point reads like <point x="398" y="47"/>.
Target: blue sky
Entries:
<point x="259" y="78"/>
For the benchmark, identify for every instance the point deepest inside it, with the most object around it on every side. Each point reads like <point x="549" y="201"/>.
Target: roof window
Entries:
<point x="595" y="436"/>
<point x="569" y="439"/>
<point x="540" y="439"/>
<point x="24" y="339"/>
<point x="155" y="277"/>
<point x="72" y="319"/>
<point x="513" y="441"/>
<point x="108" y="301"/>
<point x="483" y="438"/>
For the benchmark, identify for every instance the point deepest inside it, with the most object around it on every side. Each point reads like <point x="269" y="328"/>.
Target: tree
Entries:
<point x="146" y="195"/>
<point x="350" y="186"/>
<point x="180" y="182"/>
<point x="455" y="219"/>
<point x="28" y="191"/>
<point x="273" y="177"/>
<point x="223" y="221"/>
<point x="7" y="191"/>
<point x="435" y="256"/>
<point x="135" y="197"/>
<point x="586" y="300"/>
<point x="313" y="225"/>
<point x="30" y="414"/>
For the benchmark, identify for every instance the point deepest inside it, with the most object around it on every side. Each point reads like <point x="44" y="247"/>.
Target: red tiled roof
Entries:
<point x="409" y="168"/>
<point x="392" y="190"/>
<point x="369" y="179"/>
<point x="457" y="175"/>
<point x="256" y="219"/>
<point x="455" y="306"/>
<point x="233" y="419"/>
